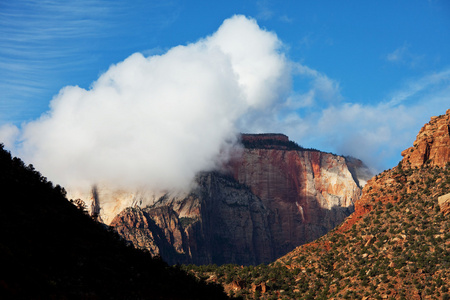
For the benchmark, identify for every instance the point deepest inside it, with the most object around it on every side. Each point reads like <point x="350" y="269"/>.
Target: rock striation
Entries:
<point x="220" y="221"/>
<point x="308" y="192"/>
<point x="274" y="197"/>
<point x="432" y="144"/>
<point x="444" y="203"/>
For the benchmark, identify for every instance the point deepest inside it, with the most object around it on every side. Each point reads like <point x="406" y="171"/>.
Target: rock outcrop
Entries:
<point x="158" y="230"/>
<point x="444" y="204"/>
<point x="220" y="221"/>
<point x="432" y="144"/>
<point x="275" y="197"/>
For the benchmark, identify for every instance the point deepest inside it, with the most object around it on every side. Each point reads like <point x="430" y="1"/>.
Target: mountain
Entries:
<point x="50" y="249"/>
<point x="273" y="197"/>
<point x="396" y="245"/>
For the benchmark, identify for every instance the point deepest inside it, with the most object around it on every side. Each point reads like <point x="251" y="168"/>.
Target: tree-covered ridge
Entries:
<point x="398" y="250"/>
<point x="50" y="249"/>
<point x="270" y="141"/>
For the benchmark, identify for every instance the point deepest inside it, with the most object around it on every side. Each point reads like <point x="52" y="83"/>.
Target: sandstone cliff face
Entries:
<point x="307" y="192"/>
<point x="107" y="202"/>
<point x="277" y="196"/>
<point x="220" y="221"/>
<point x="444" y="204"/>
<point x="157" y="230"/>
<point x="432" y="144"/>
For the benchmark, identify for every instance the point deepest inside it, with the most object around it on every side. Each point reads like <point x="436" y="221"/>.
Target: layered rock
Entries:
<point x="157" y="230"/>
<point x="220" y="221"/>
<point x="105" y="203"/>
<point x="308" y="192"/>
<point x="275" y="197"/>
<point x="432" y="144"/>
<point x="444" y="203"/>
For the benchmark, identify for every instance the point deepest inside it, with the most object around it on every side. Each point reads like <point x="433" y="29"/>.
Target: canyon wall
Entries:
<point x="273" y="198"/>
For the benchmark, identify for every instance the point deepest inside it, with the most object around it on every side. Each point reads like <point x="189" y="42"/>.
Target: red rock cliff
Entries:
<point x="432" y="144"/>
<point x="308" y="192"/>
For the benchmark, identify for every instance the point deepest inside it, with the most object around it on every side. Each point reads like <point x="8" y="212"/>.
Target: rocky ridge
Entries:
<point x="430" y="149"/>
<point x="432" y="144"/>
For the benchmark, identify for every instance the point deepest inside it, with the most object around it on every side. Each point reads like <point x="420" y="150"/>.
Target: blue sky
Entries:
<point x="364" y="75"/>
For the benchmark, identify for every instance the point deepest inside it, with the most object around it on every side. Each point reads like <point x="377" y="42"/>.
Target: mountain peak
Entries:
<point x="432" y="144"/>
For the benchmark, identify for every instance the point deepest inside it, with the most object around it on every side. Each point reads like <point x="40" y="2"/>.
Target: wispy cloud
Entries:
<point x="265" y="12"/>
<point x="414" y="87"/>
<point x="378" y="133"/>
<point x="286" y="19"/>
<point x="37" y="40"/>
<point x="397" y="55"/>
<point x="323" y="87"/>
<point x="44" y="44"/>
<point x="402" y="55"/>
<point x="375" y="133"/>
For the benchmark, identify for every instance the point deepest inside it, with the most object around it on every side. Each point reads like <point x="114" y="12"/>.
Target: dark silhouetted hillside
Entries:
<point x="49" y="249"/>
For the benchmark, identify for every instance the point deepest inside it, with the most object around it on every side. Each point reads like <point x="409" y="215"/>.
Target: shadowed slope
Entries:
<point x="51" y="249"/>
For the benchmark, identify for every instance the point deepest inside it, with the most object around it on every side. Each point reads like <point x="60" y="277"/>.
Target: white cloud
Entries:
<point x="8" y="135"/>
<point x="371" y="133"/>
<point x="156" y="121"/>
<point x="323" y="87"/>
<point x="294" y="114"/>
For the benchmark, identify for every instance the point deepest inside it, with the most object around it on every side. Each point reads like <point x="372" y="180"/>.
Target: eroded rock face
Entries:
<point x="106" y="202"/>
<point x="444" y="203"/>
<point x="307" y="192"/>
<point x="432" y="144"/>
<point x="157" y="230"/>
<point x="220" y="221"/>
<point x="275" y="197"/>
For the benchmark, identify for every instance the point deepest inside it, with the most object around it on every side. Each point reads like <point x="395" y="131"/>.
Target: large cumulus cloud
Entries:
<point x="156" y="121"/>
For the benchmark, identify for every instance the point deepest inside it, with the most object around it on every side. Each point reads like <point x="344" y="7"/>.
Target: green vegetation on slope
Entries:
<point x="270" y="144"/>
<point x="49" y="249"/>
